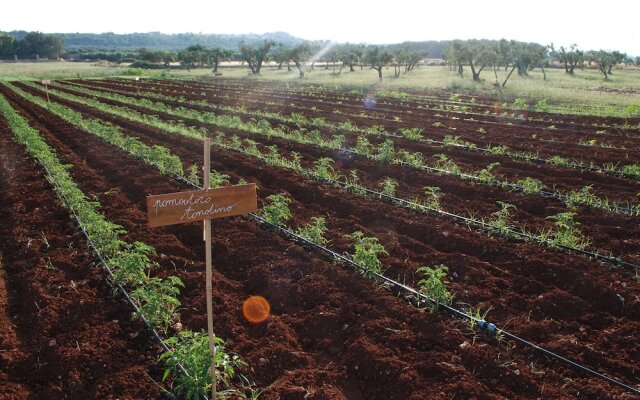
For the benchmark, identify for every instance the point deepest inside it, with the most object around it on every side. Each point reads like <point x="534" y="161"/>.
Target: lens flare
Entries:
<point x="256" y="309"/>
<point x="369" y="101"/>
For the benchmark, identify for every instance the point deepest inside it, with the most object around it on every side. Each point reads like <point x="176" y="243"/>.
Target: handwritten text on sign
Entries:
<point x="199" y="205"/>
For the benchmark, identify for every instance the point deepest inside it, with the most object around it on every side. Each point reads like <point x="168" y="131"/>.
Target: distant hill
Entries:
<point x="160" y="41"/>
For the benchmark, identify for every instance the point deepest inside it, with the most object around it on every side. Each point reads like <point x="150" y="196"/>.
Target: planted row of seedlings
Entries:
<point x="567" y="232"/>
<point x="516" y="110"/>
<point x="406" y="137"/>
<point x="345" y="332"/>
<point x="520" y="137"/>
<point x="371" y="107"/>
<point x="361" y="145"/>
<point x="296" y="191"/>
<point x="129" y="264"/>
<point x="360" y="238"/>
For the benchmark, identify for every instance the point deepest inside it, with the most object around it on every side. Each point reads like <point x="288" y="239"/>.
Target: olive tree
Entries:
<point x="570" y="57"/>
<point x="299" y="54"/>
<point x="377" y="57"/>
<point x="255" y="54"/>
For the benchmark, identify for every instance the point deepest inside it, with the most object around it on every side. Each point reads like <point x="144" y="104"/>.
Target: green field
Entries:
<point x="584" y="92"/>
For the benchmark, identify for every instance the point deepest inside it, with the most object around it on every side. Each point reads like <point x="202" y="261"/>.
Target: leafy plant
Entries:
<point x="363" y="146"/>
<point x="500" y="218"/>
<point x="218" y="179"/>
<point x="386" y="151"/>
<point x="158" y="301"/>
<point x="277" y="211"/>
<point x="388" y="186"/>
<point x="433" y="285"/>
<point x="486" y="175"/>
<point x="324" y="169"/>
<point x="191" y="350"/>
<point x="531" y="185"/>
<point x="314" y="231"/>
<point x="433" y="194"/>
<point x="443" y="162"/>
<point x="193" y="174"/>
<point x="520" y="104"/>
<point x="567" y="233"/>
<point x="411" y="133"/>
<point x="366" y="253"/>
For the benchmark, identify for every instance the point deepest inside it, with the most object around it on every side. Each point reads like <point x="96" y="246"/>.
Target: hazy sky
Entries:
<point x="592" y="25"/>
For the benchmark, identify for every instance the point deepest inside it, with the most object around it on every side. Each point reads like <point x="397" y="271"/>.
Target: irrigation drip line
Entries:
<point x="489" y="328"/>
<point x="483" y="225"/>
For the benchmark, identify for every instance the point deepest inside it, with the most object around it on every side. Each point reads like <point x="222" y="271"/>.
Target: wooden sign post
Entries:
<point x="46" y="83"/>
<point x="203" y="205"/>
<point x="137" y="78"/>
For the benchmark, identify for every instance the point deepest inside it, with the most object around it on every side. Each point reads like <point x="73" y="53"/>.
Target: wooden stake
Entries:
<point x="209" y="274"/>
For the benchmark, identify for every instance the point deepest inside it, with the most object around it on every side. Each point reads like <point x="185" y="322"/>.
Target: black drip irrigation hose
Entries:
<point x="614" y="261"/>
<point x="489" y="328"/>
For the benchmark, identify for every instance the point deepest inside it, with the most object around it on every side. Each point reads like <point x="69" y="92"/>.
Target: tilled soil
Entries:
<point x="334" y="334"/>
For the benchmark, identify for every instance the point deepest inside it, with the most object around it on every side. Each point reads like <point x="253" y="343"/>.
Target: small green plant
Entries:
<point x="584" y="195"/>
<point x="363" y="146"/>
<point x="567" y="232"/>
<point x="520" y="104"/>
<point x="542" y="105"/>
<point x="389" y="186"/>
<point x="443" y="162"/>
<point x="500" y="218"/>
<point x="314" y="231"/>
<point x="557" y="160"/>
<point x="158" y="302"/>
<point x="218" y="179"/>
<point x="433" y="285"/>
<point x="531" y="185"/>
<point x="411" y="133"/>
<point x="498" y="150"/>
<point x="191" y="350"/>
<point x="438" y="124"/>
<point x="366" y="253"/>
<point x="193" y="174"/>
<point x="354" y="181"/>
<point x="477" y="315"/>
<point x="324" y="169"/>
<point x="455" y="97"/>
<point x="277" y="211"/>
<point x="386" y="151"/>
<point x="486" y="175"/>
<point x="433" y="194"/>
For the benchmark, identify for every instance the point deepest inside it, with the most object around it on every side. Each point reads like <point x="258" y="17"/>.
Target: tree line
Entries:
<point x="34" y="45"/>
<point x="512" y="55"/>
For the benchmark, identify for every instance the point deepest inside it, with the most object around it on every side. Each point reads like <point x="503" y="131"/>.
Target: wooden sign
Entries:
<point x="200" y="205"/>
<point x="46" y="82"/>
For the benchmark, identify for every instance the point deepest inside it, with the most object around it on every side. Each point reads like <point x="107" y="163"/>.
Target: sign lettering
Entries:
<point x="200" y="205"/>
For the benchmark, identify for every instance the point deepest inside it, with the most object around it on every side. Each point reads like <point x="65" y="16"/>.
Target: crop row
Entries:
<point x="499" y="218"/>
<point x="414" y="134"/>
<point x="516" y="135"/>
<point x="385" y="153"/>
<point x="128" y="263"/>
<point x="567" y="235"/>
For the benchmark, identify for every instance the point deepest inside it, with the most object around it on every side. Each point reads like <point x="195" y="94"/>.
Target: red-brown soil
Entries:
<point x="335" y="335"/>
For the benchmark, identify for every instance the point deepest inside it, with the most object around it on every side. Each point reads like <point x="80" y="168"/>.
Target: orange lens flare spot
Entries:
<point x="256" y="309"/>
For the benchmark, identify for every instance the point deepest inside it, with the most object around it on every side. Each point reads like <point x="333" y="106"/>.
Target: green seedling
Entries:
<point x="366" y="253"/>
<point x="433" y="285"/>
<point x="277" y="210"/>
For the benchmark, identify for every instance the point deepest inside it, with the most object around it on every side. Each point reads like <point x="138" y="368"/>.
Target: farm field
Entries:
<point x="535" y="215"/>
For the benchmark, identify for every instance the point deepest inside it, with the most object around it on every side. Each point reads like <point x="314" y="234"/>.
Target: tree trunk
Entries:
<point x="351" y="69"/>
<point x="507" y="78"/>
<point x="300" y="69"/>
<point x="544" y="74"/>
<point x="215" y="67"/>
<point x="379" y="69"/>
